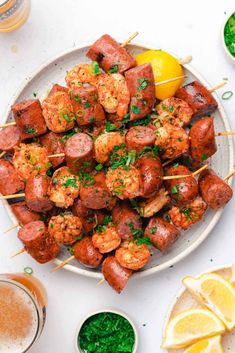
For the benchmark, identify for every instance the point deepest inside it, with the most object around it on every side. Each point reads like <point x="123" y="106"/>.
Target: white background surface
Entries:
<point x="184" y="27"/>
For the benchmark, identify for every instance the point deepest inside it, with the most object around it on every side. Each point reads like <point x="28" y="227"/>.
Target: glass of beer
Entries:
<point x="23" y="303"/>
<point x="13" y="14"/>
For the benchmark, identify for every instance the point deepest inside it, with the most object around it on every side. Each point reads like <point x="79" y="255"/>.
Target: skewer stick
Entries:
<point x="170" y="177"/>
<point x="129" y="39"/>
<point x="169" y="80"/>
<point x="11" y="228"/>
<point x="100" y="282"/>
<point x="186" y="60"/>
<point x="8" y="124"/>
<point x="218" y="86"/>
<point x="18" y="253"/>
<point x="2" y="154"/>
<point x="169" y="161"/>
<point x="225" y="133"/>
<point x="56" y="155"/>
<point x="63" y="263"/>
<point x="229" y="175"/>
<point x="7" y="197"/>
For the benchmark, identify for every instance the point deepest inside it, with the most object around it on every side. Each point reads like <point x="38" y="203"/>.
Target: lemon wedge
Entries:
<point x="165" y="66"/>
<point x="216" y="294"/>
<point x="232" y="279"/>
<point x="190" y="326"/>
<point x="208" y="345"/>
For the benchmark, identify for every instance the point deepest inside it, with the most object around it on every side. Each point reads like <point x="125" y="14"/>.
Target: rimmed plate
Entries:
<point x="222" y="162"/>
<point x="184" y="301"/>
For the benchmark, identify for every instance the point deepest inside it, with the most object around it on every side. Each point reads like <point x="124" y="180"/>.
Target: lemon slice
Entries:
<point x="232" y="279"/>
<point x="216" y="294"/>
<point x="190" y="326"/>
<point x="208" y="345"/>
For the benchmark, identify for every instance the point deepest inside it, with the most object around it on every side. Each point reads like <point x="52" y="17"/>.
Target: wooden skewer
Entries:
<point x="129" y="39"/>
<point x="229" y="175"/>
<point x="56" y="155"/>
<point x="218" y="86"/>
<point x="18" y="253"/>
<point x="169" y="80"/>
<point x="170" y="177"/>
<point x="7" y="197"/>
<point x="11" y="228"/>
<point x="2" y="154"/>
<point x="100" y="282"/>
<point x="63" y="263"/>
<point x="8" y="124"/>
<point x="225" y="133"/>
<point x="169" y="161"/>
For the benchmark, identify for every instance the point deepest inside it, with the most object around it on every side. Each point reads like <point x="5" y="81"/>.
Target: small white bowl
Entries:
<point x="227" y="52"/>
<point x="106" y="310"/>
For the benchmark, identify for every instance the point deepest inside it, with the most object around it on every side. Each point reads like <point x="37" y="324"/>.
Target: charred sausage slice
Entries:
<point x="116" y="275"/>
<point x="10" y="182"/>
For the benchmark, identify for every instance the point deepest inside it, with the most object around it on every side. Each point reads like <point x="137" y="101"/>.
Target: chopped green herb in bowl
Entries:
<point x="228" y="37"/>
<point x="105" y="332"/>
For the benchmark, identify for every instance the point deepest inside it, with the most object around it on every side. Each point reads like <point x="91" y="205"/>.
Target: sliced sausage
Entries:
<point x="90" y="218"/>
<point x="182" y="190"/>
<point x="9" y="138"/>
<point x="37" y="241"/>
<point x="214" y="190"/>
<point x="79" y="152"/>
<point x="87" y="254"/>
<point x="29" y="119"/>
<point x="36" y="193"/>
<point x="86" y="107"/>
<point x="161" y="233"/>
<point x="23" y="214"/>
<point x="202" y="136"/>
<point x="10" y="182"/>
<point x="110" y="55"/>
<point x="139" y="137"/>
<point x="126" y="220"/>
<point x="54" y="145"/>
<point x="140" y="82"/>
<point x="150" y="174"/>
<point x="198" y="98"/>
<point x="95" y="194"/>
<point x="116" y="275"/>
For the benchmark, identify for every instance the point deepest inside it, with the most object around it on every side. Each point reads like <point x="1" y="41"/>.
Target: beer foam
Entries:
<point x="18" y="319"/>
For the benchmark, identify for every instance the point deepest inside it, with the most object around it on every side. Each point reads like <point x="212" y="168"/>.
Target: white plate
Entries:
<point x="184" y="301"/>
<point x="222" y="162"/>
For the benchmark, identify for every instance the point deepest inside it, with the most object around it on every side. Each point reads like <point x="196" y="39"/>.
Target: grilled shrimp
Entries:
<point x="30" y="160"/>
<point x="57" y="110"/>
<point x="172" y="140"/>
<point x="65" y="228"/>
<point x="132" y="256"/>
<point x="174" y="111"/>
<point x="64" y="187"/>
<point x="78" y="75"/>
<point x="107" y="240"/>
<point x="185" y="217"/>
<point x="124" y="183"/>
<point x="105" y="143"/>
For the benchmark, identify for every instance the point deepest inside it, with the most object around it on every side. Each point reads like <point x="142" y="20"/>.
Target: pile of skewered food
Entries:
<point x="102" y="167"/>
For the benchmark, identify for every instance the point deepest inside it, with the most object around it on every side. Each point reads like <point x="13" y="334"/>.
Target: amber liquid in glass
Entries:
<point x="13" y="14"/>
<point x="23" y="302"/>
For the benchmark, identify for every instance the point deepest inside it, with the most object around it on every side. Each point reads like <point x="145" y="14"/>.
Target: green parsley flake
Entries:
<point x="229" y="34"/>
<point x="135" y="109"/>
<point x="71" y="182"/>
<point x="204" y="157"/>
<point x="95" y="69"/>
<point x="105" y="333"/>
<point x="31" y="130"/>
<point x="143" y="83"/>
<point x="174" y="190"/>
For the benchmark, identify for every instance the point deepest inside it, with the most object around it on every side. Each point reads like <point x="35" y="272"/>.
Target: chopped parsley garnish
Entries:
<point x="174" y="190"/>
<point x="124" y="159"/>
<point x="71" y="182"/>
<point x="175" y="165"/>
<point x="92" y="118"/>
<point x="107" y="219"/>
<point x="66" y="116"/>
<point x="229" y="34"/>
<point x="106" y="332"/>
<point x="143" y="83"/>
<point x="135" y="109"/>
<point x="95" y="69"/>
<point x="204" y="157"/>
<point x="153" y="230"/>
<point x="30" y="130"/>
<point x="86" y="164"/>
<point x="54" y="181"/>
<point x="145" y="121"/>
<point x="187" y="212"/>
<point x="144" y="240"/>
<point x="86" y="179"/>
<point x="65" y="137"/>
<point x="168" y="218"/>
<point x="126" y="118"/>
<point x="35" y="94"/>
<point x="70" y="249"/>
<point x="110" y="126"/>
<point x="99" y="167"/>
<point x="114" y="69"/>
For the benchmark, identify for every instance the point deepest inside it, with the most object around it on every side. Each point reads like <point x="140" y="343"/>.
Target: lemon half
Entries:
<point x="165" y="66"/>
